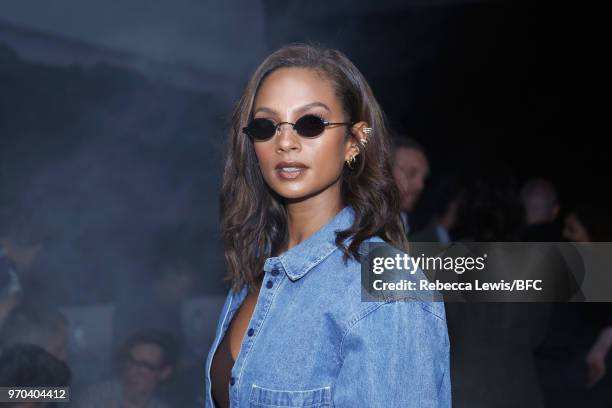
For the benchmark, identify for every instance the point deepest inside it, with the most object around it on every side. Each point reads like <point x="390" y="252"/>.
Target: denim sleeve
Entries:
<point x="396" y="355"/>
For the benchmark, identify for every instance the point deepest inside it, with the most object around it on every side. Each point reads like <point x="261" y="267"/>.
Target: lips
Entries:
<point x="290" y="170"/>
<point x="290" y="165"/>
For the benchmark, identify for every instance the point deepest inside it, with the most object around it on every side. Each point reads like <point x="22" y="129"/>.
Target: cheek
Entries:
<point x="266" y="159"/>
<point x="263" y="152"/>
<point x="398" y="176"/>
<point x="402" y="181"/>
<point x="327" y="155"/>
<point x="413" y="181"/>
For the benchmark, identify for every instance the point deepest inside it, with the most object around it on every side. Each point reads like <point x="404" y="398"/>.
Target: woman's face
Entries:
<point x="295" y="167"/>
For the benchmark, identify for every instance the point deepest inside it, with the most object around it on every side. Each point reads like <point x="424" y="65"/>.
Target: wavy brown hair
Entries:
<point x="254" y="217"/>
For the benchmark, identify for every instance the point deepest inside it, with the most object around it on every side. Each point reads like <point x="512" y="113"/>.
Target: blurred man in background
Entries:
<point x="541" y="204"/>
<point x="33" y="324"/>
<point x="146" y="360"/>
<point x="410" y="169"/>
<point x="445" y="200"/>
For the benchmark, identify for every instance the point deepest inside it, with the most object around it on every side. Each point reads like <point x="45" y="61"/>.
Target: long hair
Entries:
<point x="254" y="217"/>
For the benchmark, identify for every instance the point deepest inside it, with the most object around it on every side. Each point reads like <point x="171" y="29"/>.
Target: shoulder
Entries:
<point x="343" y="282"/>
<point x="401" y="316"/>
<point x="407" y="331"/>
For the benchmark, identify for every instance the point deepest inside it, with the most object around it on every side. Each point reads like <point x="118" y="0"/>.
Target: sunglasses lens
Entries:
<point x="261" y="128"/>
<point x="309" y="126"/>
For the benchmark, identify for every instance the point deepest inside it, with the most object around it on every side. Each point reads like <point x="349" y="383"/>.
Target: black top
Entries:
<point x="220" y="373"/>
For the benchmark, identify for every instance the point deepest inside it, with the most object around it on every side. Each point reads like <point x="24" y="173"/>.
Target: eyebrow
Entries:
<point x="301" y="109"/>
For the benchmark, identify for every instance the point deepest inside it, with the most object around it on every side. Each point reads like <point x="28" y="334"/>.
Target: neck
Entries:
<point x="305" y="217"/>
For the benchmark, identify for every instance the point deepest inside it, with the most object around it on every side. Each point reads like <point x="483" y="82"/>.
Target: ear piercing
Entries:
<point x="367" y="131"/>
<point x="351" y="161"/>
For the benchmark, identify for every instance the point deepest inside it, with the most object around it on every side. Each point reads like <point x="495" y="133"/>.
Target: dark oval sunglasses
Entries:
<point x="307" y="126"/>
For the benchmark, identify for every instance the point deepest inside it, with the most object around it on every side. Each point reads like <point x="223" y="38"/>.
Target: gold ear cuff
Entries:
<point x="351" y="161"/>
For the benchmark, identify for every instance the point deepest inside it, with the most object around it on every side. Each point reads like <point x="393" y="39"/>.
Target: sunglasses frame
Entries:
<point x="277" y="126"/>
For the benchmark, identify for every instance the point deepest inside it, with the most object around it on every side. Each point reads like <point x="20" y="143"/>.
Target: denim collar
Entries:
<point x="300" y="259"/>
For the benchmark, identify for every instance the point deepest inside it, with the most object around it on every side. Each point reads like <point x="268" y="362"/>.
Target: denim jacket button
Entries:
<point x="232" y="381"/>
<point x="269" y="284"/>
<point x="250" y="332"/>
<point x="274" y="272"/>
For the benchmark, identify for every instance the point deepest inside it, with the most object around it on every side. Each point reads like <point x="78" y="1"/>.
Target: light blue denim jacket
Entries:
<point x="313" y="343"/>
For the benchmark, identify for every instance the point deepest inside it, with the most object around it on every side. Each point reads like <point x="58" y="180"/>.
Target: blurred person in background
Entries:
<point x="10" y="287"/>
<point x="596" y="358"/>
<point x="410" y="169"/>
<point x="492" y="344"/>
<point x="446" y="197"/>
<point x="156" y="303"/>
<point x="588" y="223"/>
<point x="145" y="362"/>
<point x="574" y="356"/>
<point x="32" y="324"/>
<point x="540" y="201"/>
<point x="574" y="230"/>
<point x="22" y="244"/>
<point x="27" y="245"/>
<point x="28" y="365"/>
<point x="155" y="300"/>
<point x="492" y="210"/>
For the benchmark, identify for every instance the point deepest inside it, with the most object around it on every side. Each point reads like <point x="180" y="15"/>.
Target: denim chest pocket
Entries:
<point x="267" y="398"/>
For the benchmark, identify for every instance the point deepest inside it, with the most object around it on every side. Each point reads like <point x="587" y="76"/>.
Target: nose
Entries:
<point x="287" y="138"/>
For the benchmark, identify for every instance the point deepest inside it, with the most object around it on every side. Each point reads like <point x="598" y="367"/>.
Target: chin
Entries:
<point x="292" y="195"/>
<point x="408" y="206"/>
<point x="296" y="194"/>
<point x="290" y="190"/>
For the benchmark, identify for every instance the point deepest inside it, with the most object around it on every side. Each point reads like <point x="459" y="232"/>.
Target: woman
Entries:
<point x="306" y="184"/>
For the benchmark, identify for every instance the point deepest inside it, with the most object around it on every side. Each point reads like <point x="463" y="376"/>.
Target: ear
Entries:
<point x="360" y="133"/>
